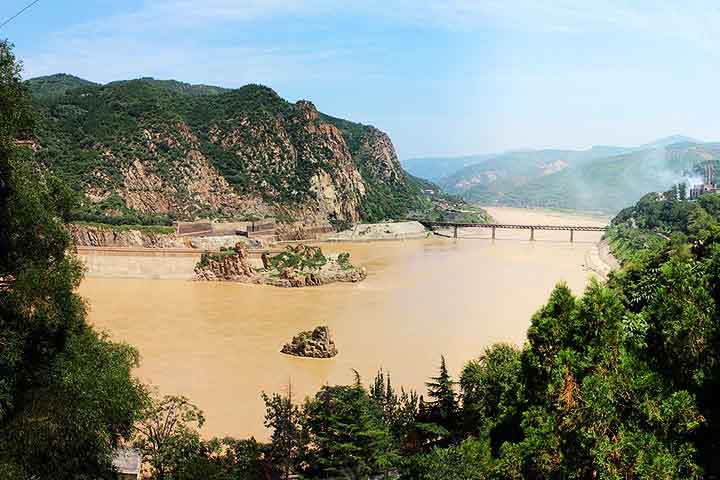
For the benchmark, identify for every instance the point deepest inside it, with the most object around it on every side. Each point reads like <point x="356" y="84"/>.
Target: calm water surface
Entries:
<point x="218" y="344"/>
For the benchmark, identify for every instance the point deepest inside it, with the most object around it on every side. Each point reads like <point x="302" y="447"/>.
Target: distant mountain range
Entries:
<point x="602" y="178"/>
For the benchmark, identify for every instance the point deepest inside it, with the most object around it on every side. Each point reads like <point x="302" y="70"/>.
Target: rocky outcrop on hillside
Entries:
<point x="380" y="158"/>
<point x="317" y="343"/>
<point x="99" y="236"/>
<point x="296" y="161"/>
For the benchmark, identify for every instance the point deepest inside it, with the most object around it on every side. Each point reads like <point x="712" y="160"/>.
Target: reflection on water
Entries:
<point x="219" y="343"/>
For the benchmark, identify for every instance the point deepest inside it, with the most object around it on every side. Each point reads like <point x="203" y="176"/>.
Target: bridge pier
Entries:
<point x="493" y="233"/>
<point x="455" y="233"/>
<point x="532" y="233"/>
<point x="572" y="232"/>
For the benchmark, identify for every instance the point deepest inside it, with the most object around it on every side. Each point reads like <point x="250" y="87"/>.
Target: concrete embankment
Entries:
<point x="163" y="264"/>
<point x="381" y="231"/>
<point x="154" y="263"/>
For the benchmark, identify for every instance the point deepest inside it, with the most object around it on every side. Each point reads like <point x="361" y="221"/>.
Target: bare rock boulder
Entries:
<point x="312" y="344"/>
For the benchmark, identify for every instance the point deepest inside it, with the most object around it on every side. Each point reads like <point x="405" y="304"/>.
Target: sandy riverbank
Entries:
<point x="598" y="258"/>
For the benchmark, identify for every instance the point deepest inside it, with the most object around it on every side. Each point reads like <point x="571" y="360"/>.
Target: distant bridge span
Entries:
<point x="494" y="226"/>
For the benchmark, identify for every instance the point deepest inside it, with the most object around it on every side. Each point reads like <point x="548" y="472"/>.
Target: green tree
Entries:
<point x="345" y="434"/>
<point x="66" y="394"/>
<point x="168" y="434"/>
<point x="399" y="411"/>
<point x="440" y="414"/>
<point x="492" y="395"/>
<point x="469" y="460"/>
<point x="283" y="417"/>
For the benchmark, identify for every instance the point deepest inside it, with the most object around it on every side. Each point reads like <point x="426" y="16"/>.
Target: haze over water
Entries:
<point x="218" y="343"/>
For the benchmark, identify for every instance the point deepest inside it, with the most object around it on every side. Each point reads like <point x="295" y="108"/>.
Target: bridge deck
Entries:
<point x="579" y="228"/>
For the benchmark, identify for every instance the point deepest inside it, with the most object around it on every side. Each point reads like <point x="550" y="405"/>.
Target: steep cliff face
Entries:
<point x="379" y="158"/>
<point x="139" y="149"/>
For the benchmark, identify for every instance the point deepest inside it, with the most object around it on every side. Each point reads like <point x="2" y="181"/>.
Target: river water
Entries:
<point x="218" y="344"/>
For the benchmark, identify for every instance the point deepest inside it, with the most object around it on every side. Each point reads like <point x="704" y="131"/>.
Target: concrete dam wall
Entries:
<point x="156" y="264"/>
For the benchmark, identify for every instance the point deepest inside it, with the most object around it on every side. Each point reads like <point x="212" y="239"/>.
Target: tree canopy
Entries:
<point x="67" y="396"/>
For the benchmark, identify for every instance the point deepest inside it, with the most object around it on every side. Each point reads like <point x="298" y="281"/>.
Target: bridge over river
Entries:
<point x="494" y="226"/>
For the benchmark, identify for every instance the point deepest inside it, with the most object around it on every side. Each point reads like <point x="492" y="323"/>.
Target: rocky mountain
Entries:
<point x="148" y="151"/>
<point x="438" y="168"/>
<point x="602" y="178"/>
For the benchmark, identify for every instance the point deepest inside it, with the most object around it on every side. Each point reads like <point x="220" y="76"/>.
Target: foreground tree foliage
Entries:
<point x="345" y="435"/>
<point x="66" y="393"/>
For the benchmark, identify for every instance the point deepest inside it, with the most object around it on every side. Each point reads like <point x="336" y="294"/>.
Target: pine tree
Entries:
<point x="283" y="417"/>
<point x="442" y="409"/>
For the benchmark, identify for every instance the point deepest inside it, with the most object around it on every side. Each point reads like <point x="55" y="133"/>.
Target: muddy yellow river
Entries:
<point x="218" y="344"/>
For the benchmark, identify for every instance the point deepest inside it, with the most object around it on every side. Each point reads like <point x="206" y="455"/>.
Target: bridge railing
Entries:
<point x="456" y="225"/>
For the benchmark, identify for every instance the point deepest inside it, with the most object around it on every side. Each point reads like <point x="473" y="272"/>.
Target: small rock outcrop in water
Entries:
<point x="297" y="266"/>
<point x="315" y="344"/>
<point x="232" y="265"/>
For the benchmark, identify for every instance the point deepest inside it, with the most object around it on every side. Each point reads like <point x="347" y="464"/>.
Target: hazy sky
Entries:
<point x="442" y="77"/>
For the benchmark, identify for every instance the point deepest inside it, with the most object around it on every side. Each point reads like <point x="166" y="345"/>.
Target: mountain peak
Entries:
<point x="56" y="84"/>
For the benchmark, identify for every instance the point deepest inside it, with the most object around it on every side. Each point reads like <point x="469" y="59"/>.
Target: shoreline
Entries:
<point x="600" y="261"/>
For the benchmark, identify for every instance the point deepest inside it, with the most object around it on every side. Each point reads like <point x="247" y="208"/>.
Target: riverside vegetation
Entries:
<point x="617" y="383"/>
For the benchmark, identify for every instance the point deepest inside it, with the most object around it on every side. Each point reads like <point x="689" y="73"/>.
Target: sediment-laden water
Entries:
<point x="219" y="344"/>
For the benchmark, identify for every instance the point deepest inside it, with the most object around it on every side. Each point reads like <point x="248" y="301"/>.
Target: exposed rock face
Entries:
<point x="380" y="158"/>
<point x="300" y="149"/>
<point x="330" y="273"/>
<point x="171" y="175"/>
<point x="312" y="344"/>
<point x="93" y="236"/>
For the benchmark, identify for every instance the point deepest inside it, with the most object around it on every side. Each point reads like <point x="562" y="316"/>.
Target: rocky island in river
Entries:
<point x="317" y="343"/>
<point x="296" y="266"/>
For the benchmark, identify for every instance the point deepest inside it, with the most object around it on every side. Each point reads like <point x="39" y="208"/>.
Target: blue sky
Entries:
<point x="441" y="77"/>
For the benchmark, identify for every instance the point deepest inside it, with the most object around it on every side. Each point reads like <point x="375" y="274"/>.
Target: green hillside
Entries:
<point x="600" y="179"/>
<point x="55" y="85"/>
<point x="180" y="87"/>
<point x="150" y="151"/>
